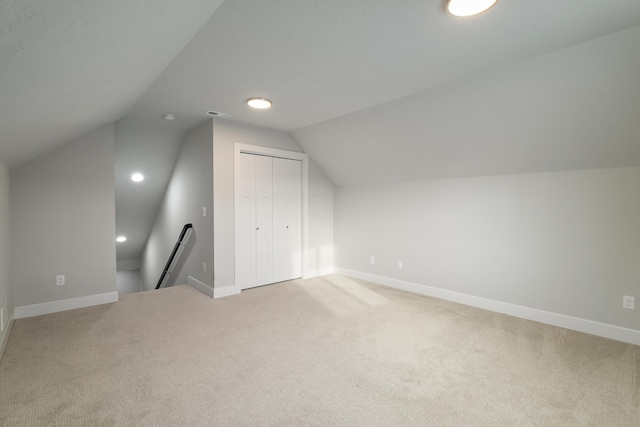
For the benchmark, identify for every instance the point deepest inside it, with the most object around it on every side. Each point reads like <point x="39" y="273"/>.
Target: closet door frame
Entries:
<point x="240" y="148"/>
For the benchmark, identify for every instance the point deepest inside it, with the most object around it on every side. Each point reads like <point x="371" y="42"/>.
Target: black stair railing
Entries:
<point x="175" y="255"/>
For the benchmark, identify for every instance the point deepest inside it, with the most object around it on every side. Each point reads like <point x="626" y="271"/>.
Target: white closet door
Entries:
<point x="287" y="210"/>
<point x="268" y="203"/>
<point x="264" y="220"/>
<point x="294" y="217"/>
<point x="280" y="205"/>
<point x="245" y="225"/>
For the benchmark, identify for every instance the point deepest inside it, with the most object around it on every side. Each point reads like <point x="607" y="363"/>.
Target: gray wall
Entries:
<point x="5" y="253"/>
<point x="152" y="148"/>
<point x="226" y="133"/>
<point x="128" y="281"/>
<point x="320" y="256"/>
<point x="189" y="190"/>
<point x="63" y="221"/>
<point x="563" y="242"/>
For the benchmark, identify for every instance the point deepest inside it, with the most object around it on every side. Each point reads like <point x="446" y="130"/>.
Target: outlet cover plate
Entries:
<point x="629" y="302"/>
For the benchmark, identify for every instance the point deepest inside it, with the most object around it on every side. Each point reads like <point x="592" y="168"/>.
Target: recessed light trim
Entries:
<point x="466" y="8"/>
<point x="137" y="177"/>
<point x="121" y="239"/>
<point x="169" y="116"/>
<point x="259" y="103"/>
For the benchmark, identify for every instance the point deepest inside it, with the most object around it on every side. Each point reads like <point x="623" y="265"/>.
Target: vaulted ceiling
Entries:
<point x="373" y="90"/>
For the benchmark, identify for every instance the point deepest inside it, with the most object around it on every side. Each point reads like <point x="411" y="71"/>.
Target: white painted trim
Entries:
<point x="64" y="305"/>
<point x="201" y="286"/>
<point x="319" y="272"/>
<point x="284" y="154"/>
<point x="225" y="291"/>
<point x="613" y="332"/>
<point x="5" y="337"/>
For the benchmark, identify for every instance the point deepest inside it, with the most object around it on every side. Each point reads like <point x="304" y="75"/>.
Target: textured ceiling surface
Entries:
<point x="318" y="60"/>
<point x="373" y="90"/>
<point x="68" y="67"/>
<point x="576" y="108"/>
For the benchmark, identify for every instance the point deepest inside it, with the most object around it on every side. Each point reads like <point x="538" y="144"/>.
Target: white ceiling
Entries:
<point x="68" y="67"/>
<point x="576" y="108"/>
<point x="372" y="90"/>
<point x="317" y="60"/>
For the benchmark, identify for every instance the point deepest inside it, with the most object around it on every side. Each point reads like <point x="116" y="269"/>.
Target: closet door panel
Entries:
<point x="280" y="206"/>
<point x="245" y="225"/>
<point x="294" y="209"/>
<point x="287" y="226"/>
<point x="264" y="216"/>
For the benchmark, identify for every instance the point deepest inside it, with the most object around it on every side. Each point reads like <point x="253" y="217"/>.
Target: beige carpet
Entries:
<point x="330" y="351"/>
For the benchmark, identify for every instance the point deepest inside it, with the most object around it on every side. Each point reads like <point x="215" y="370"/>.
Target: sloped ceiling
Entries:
<point x="318" y="60"/>
<point x="373" y="90"/>
<point x="576" y="108"/>
<point x="68" y="67"/>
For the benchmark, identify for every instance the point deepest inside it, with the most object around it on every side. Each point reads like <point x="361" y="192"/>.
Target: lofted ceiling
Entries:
<point x="68" y="67"/>
<point x="373" y="90"/>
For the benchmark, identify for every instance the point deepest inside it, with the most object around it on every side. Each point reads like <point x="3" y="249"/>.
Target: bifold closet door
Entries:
<point x="245" y="222"/>
<point x="268" y="220"/>
<point x="264" y="220"/>
<point x="287" y="213"/>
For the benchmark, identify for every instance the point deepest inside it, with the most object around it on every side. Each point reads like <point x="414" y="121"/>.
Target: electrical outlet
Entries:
<point x="629" y="302"/>
<point x="204" y="211"/>
<point x="60" y="280"/>
<point x="400" y="264"/>
<point x="372" y="260"/>
<point x="204" y="267"/>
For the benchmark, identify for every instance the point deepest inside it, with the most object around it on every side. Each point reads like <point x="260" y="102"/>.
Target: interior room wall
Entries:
<point x="63" y="222"/>
<point x="226" y="133"/>
<point x="128" y="281"/>
<point x="562" y="242"/>
<point x="190" y="189"/>
<point x="320" y="250"/>
<point x="128" y="278"/>
<point x="6" y="297"/>
<point x="155" y="144"/>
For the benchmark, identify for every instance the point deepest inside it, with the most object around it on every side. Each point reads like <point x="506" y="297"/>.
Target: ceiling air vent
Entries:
<point x="218" y="114"/>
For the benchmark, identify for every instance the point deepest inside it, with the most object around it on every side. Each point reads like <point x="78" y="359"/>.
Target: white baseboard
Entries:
<point x="4" y="335"/>
<point x="225" y="291"/>
<point x="319" y="272"/>
<point x="613" y="332"/>
<point x="64" y="305"/>
<point x="201" y="286"/>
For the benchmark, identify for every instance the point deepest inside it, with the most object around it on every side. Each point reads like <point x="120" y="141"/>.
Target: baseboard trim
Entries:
<point x="225" y="291"/>
<point x="201" y="286"/>
<point x="613" y="332"/>
<point x="5" y="335"/>
<point x="64" y="305"/>
<point x="319" y="272"/>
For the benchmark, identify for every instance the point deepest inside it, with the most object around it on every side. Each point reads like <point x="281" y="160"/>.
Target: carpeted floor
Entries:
<point x="330" y="351"/>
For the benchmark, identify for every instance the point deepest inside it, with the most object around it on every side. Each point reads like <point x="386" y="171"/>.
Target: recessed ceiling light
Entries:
<point x="260" y="103"/>
<point x="169" y="116"/>
<point x="121" y="239"/>
<point x="464" y="8"/>
<point x="137" y="177"/>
